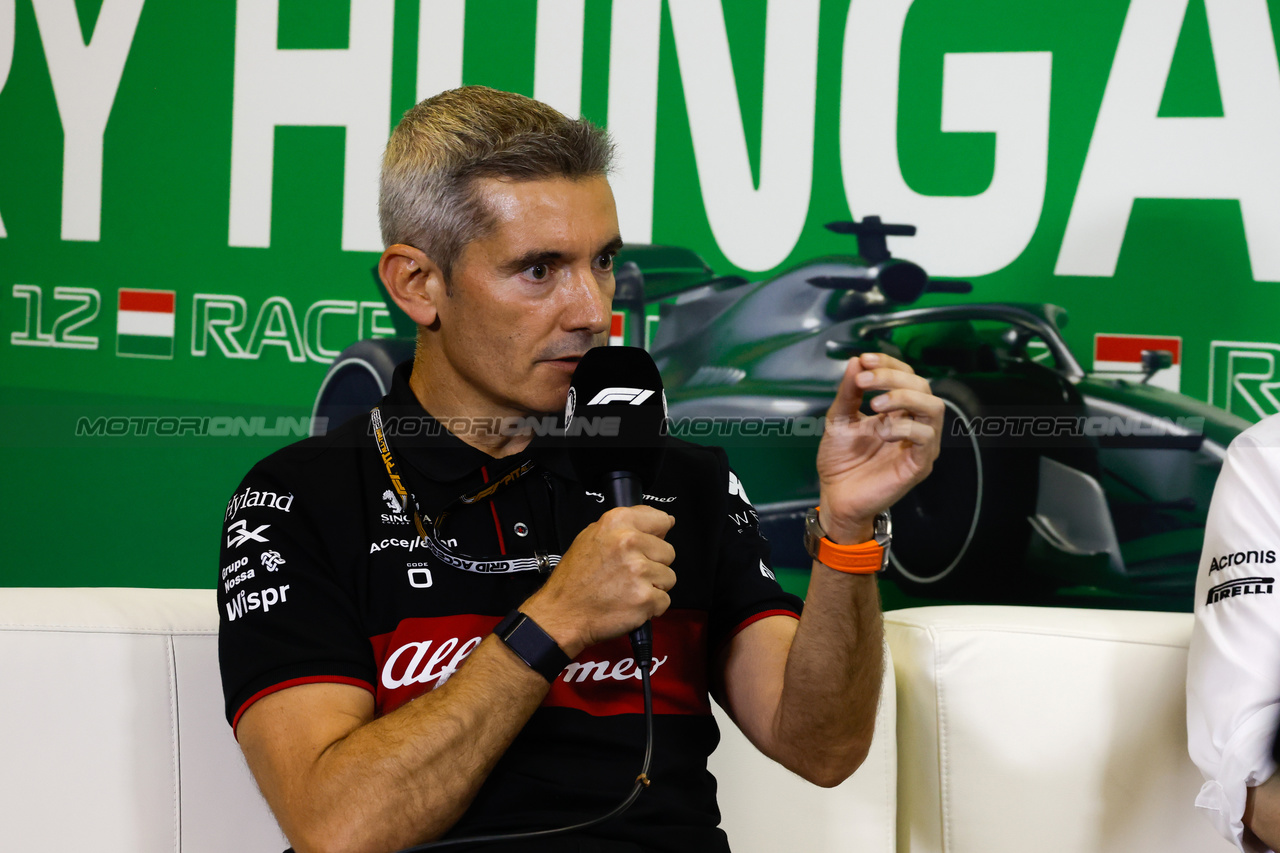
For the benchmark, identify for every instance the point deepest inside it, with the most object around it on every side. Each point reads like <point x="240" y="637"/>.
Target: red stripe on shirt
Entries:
<point x="753" y="618"/>
<point x="497" y="525"/>
<point x="294" y="682"/>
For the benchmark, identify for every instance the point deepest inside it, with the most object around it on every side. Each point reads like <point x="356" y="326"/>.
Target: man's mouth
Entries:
<point x="567" y="361"/>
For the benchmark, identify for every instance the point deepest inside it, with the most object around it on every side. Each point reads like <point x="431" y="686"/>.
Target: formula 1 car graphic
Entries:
<point x="1048" y="478"/>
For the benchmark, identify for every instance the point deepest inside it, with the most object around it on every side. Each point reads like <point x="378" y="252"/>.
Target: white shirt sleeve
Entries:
<point x="1233" y="667"/>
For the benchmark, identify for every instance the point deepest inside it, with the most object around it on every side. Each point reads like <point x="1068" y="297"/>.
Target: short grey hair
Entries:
<point x="427" y="196"/>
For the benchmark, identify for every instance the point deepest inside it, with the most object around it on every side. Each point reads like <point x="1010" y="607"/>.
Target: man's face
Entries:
<point x="529" y="299"/>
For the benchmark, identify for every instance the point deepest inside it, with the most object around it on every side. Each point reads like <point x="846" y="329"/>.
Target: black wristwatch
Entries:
<point x="532" y="645"/>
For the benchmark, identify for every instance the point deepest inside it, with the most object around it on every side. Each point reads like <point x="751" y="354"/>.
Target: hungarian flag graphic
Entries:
<point x="617" y="326"/>
<point x="144" y="323"/>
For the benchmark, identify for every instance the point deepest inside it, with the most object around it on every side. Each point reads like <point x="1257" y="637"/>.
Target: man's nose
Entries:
<point x="590" y="300"/>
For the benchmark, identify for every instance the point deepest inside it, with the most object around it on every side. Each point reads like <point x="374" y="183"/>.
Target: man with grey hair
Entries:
<point x="377" y="703"/>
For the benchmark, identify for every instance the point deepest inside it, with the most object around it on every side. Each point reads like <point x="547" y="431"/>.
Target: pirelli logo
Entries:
<point x="1242" y="586"/>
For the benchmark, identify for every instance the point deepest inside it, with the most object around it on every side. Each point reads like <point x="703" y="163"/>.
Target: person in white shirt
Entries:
<point x="1233" y="667"/>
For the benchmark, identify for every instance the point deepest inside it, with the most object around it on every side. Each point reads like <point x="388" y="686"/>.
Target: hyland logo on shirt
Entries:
<point x="251" y="497"/>
<point x="1241" y="558"/>
<point x="1243" y="586"/>
<point x="144" y="323"/>
<point x="243" y="534"/>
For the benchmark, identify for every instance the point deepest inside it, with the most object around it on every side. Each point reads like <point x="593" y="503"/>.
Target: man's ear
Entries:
<point x="413" y="280"/>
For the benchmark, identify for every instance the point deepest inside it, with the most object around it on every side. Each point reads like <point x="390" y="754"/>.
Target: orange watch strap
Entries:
<point x="865" y="558"/>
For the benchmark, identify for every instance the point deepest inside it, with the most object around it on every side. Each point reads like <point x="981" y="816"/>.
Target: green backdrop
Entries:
<point x="1115" y="158"/>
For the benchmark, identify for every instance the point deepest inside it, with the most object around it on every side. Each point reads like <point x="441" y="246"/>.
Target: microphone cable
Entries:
<point x="642" y="782"/>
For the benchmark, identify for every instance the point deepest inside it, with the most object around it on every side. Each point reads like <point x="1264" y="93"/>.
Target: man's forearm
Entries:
<point x="831" y="686"/>
<point x="1262" y="811"/>
<point x="409" y="776"/>
<point x="340" y="780"/>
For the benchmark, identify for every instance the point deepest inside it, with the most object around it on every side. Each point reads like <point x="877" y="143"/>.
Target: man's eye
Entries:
<point x="539" y="272"/>
<point x="605" y="262"/>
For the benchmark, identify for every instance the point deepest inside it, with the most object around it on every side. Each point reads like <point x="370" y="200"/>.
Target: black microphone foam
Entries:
<point x="614" y="420"/>
<point x="615" y="416"/>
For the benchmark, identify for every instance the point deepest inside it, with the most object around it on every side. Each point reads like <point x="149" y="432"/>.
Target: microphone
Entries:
<point x="614" y="418"/>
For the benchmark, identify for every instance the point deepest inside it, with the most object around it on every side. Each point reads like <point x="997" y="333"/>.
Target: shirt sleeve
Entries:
<point x="1233" y="670"/>
<point x="285" y="617"/>
<point x="746" y="588"/>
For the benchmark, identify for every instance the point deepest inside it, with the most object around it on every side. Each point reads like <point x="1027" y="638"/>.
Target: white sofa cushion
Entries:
<point x="765" y="808"/>
<point x="1047" y="729"/>
<point x="112" y="737"/>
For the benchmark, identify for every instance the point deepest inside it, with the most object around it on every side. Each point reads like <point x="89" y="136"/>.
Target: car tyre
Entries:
<point x="358" y="378"/>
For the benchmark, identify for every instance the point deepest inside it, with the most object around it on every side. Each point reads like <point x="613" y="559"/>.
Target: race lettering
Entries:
<point x="348" y="88"/>
<point x="756" y="223"/>
<point x="1134" y="153"/>
<point x="86" y="76"/>
<point x="6" y="56"/>
<point x="1006" y="94"/>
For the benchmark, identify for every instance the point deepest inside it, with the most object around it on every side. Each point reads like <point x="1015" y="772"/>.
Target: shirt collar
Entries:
<point x="438" y="454"/>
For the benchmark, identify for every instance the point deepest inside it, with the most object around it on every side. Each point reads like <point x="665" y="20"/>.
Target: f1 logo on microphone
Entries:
<point x="633" y="396"/>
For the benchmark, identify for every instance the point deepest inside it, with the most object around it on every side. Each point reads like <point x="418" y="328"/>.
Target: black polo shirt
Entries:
<point x="324" y="579"/>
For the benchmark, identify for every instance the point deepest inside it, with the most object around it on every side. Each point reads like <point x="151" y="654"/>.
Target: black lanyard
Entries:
<point x="430" y="536"/>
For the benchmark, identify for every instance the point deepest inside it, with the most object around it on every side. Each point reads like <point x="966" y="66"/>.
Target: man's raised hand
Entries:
<point x="867" y="462"/>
